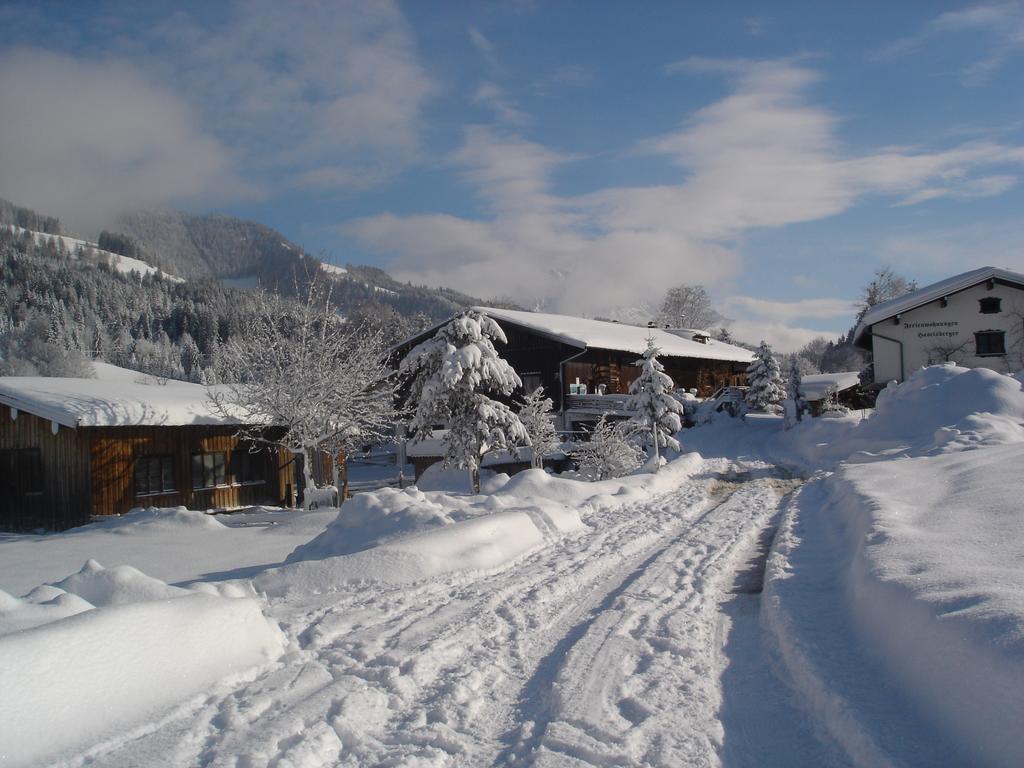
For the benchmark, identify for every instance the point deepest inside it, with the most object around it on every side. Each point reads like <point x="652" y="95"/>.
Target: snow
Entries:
<point x="584" y="333"/>
<point x="550" y="621"/>
<point x="929" y="293"/>
<point x="814" y="386"/>
<point x="125" y="660"/>
<point x="116" y="397"/>
<point x="333" y="269"/>
<point x="124" y="264"/>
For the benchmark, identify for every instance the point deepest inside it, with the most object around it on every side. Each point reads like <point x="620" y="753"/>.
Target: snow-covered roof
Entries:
<point x="814" y="386"/>
<point x="928" y="293"/>
<point x="602" y="334"/>
<point x="117" y="397"/>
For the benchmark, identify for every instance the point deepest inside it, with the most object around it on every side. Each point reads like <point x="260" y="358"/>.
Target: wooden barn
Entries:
<point x="586" y="366"/>
<point x="74" y="448"/>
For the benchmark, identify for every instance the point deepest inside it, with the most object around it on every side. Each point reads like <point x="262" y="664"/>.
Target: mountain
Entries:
<point x="246" y="254"/>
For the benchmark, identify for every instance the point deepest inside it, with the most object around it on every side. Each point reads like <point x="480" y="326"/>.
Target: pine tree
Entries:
<point x="538" y="420"/>
<point x="658" y="415"/>
<point x="765" y="381"/>
<point x="795" y="403"/>
<point x="450" y="379"/>
<point x="608" y="453"/>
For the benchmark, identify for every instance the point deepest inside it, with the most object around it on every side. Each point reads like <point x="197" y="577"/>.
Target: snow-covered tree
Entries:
<point x="688" y="306"/>
<point x="765" y="381"/>
<point x="608" y="453"/>
<point x="830" y="402"/>
<point x="299" y="368"/>
<point x="537" y="416"/>
<point x="795" y="404"/>
<point x="451" y="377"/>
<point x="657" y="414"/>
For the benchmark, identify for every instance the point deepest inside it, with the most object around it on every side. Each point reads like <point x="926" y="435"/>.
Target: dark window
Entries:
<point x="246" y="467"/>
<point x="21" y="472"/>
<point x="153" y="475"/>
<point x="531" y="381"/>
<point x="990" y="343"/>
<point x="990" y="305"/>
<point x="208" y="470"/>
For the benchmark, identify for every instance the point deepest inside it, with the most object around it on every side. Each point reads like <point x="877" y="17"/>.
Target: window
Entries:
<point x="991" y="305"/>
<point x="153" y="475"/>
<point x="246" y="467"/>
<point x="531" y="381"/>
<point x="990" y="343"/>
<point x="22" y="472"/>
<point x="208" y="470"/>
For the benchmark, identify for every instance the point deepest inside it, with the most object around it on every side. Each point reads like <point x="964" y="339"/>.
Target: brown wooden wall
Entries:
<point x="64" y="501"/>
<point x="114" y="450"/>
<point x="617" y="372"/>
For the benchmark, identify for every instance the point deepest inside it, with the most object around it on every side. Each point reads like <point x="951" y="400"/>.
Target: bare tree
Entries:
<point x="299" y="369"/>
<point x="688" y="306"/>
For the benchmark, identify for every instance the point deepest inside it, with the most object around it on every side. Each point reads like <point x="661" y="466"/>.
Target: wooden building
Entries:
<point x="586" y="366"/>
<point x="74" y="448"/>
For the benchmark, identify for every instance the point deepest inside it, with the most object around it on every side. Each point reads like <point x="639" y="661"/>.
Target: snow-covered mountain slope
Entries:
<point x="77" y="248"/>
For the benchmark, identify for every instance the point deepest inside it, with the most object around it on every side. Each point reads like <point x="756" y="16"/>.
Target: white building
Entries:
<point x="975" y="319"/>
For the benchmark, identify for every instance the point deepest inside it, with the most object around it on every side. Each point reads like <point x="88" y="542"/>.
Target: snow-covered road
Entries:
<point x="606" y="648"/>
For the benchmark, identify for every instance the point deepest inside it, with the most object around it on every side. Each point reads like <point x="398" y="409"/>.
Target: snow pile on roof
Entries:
<point x="98" y="669"/>
<point x="117" y="397"/>
<point x="932" y="292"/>
<point x="815" y="385"/>
<point x="400" y="537"/>
<point x="601" y="334"/>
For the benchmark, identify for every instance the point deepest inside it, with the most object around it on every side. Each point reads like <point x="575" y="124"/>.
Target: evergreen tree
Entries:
<point x="657" y="414"/>
<point x="450" y="378"/>
<point x="765" y="381"/>
<point x="795" y="403"/>
<point x="538" y="420"/>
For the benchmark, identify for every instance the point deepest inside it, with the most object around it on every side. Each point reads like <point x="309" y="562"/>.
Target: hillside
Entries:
<point x="245" y="253"/>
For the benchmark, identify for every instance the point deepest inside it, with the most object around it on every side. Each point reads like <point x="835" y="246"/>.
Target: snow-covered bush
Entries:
<point x="764" y="380"/>
<point x="537" y="415"/>
<point x="450" y="378"/>
<point x="608" y="453"/>
<point x="830" y="402"/>
<point x="657" y="413"/>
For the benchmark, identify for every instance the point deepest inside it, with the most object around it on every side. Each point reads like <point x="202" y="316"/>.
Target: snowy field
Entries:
<point x="844" y="593"/>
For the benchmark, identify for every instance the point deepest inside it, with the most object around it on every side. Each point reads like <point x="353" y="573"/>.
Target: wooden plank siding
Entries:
<point x="115" y="450"/>
<point x="64" y="500"/>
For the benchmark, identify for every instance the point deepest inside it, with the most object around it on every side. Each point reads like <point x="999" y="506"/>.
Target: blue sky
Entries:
<point x="575" y="156"/>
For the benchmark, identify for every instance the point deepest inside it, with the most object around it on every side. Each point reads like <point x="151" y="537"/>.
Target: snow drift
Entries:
<point x="894" y="589"/>
<point x="105" y="650"/>
<point x="406" y="536"/>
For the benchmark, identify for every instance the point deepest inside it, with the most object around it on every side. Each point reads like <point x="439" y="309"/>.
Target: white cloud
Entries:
<point x="1001" y="23"/>
<point x="89" y="139"/>
<point x="761" y="156"/>
<point x="302" y="87"/>
<point x="782" y="337"/>
<point x="790" y="310"/>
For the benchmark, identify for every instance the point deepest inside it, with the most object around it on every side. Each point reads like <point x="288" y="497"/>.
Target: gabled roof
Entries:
<point x="914" y="299"/>
<point x="602" y="334"/>
<point x="117" y="397"/>
<point x="815" y="385"/>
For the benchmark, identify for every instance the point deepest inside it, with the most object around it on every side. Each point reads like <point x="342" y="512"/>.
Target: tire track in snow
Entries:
<point x="635" y="683"/>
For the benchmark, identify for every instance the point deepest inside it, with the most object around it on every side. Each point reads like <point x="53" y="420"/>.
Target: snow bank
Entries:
<point x="76" y="673"/>
<point x="895" y="589"/>
<point x="938" y="409"/>
<point x="405" y="536"/>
